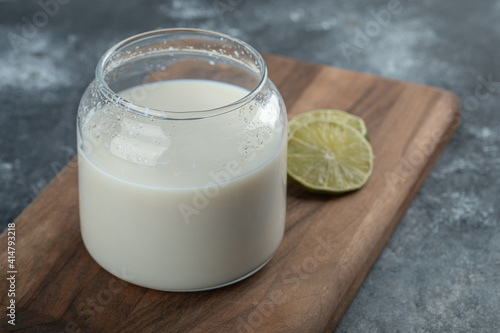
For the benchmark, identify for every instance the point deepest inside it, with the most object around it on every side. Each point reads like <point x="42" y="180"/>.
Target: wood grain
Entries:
<point x="330" y="242"/>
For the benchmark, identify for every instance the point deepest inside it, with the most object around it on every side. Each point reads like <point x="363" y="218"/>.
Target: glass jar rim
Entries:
<point x="113" y="96"/>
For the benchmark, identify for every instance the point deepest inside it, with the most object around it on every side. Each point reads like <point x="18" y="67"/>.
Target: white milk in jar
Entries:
<point x="183" y="204"/>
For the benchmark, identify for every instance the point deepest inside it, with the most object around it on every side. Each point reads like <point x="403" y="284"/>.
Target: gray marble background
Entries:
<point x="440" y="271"/>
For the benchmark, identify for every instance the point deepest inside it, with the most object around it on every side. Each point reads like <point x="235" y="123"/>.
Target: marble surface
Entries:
<point x="440" y="272"/>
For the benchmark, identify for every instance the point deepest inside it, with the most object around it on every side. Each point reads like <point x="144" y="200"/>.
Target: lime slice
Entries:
<point x="326" y="114"/>
<point x="328" y="156"/>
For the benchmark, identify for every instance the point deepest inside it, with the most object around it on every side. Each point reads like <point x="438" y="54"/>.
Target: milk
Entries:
<point x="182" y="205"/>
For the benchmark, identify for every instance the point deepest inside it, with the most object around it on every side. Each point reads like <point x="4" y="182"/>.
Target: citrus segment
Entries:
<point x="328" y="156"/>
<point x="327" y="114"/>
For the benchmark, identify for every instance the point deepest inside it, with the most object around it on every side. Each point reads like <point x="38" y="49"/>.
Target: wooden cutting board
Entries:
<point x="329" y="246"/>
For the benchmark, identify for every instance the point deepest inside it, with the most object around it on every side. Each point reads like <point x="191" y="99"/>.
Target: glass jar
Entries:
<point x="182" y="161"/>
